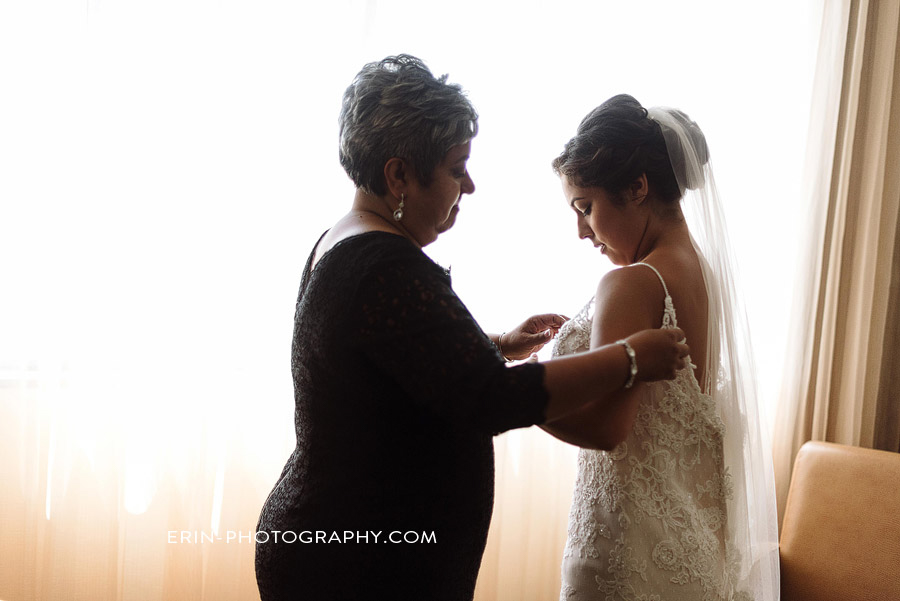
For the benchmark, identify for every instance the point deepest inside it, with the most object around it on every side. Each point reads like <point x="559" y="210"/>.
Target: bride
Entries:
<point x="674" y="498"/>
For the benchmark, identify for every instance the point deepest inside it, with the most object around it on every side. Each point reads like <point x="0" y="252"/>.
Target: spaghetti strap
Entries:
<point x="669" y="318"/>
<point x="659" y="275"/>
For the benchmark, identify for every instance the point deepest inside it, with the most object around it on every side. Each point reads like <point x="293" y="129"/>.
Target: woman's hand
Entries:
<point x="530" y="336"/>
<point x="659" y="353"/>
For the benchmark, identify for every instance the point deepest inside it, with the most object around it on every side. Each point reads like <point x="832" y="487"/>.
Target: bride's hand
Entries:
<point x="659" y="353"/>
<point x="531" y="335"/>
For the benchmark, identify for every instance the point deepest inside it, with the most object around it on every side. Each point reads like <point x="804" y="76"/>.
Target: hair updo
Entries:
<point x="396" y="108"/>
<point x="617" y="142"/>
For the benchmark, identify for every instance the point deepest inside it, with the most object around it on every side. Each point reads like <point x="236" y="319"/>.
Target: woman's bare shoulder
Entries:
<point x="629" y="284"/>
<point x="681" y="271"/>
<point x="628" y="299"/>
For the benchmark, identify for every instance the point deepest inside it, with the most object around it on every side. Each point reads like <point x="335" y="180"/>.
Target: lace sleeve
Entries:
<point x="419" y="334"/>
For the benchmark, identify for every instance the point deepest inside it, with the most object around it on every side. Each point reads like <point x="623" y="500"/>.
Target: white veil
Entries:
<point x="731" y="375"/>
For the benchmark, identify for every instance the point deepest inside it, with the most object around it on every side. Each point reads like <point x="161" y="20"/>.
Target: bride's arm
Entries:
<point x="627" y="300"/>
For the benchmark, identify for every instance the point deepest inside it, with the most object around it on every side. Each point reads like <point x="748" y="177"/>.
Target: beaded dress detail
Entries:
<point x="648" y="520"/>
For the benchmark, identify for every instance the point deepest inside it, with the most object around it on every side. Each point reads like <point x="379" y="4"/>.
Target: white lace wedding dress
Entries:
<point x="648" y="520"/>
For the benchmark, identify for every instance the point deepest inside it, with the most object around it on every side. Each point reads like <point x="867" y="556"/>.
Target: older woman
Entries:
<point x="398" y="391"/>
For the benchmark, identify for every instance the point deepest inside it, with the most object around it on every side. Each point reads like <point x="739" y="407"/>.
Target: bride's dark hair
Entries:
<point x="617" y="142"/>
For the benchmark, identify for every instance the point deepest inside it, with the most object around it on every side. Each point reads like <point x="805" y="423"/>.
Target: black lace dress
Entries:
<point x="398" y="392"/>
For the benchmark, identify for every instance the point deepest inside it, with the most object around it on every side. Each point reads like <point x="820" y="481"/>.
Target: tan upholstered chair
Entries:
<point x="841" y="535"/>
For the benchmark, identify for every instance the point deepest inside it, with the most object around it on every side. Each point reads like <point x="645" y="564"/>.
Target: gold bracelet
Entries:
<point x="500" y="348"/>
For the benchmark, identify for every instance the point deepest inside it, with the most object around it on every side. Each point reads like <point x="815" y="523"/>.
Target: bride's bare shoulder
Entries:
<point x="678" y="266"/>
<point x="632" y="286"/>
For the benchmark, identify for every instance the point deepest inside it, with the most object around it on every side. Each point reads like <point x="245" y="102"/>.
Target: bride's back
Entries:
<point x="679" y="267"/>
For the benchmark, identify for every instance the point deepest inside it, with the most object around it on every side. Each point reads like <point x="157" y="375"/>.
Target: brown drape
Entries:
<point x="842" y="386"/>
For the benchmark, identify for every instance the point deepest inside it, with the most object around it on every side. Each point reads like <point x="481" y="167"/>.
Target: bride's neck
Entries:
<point x="663" y="231"/>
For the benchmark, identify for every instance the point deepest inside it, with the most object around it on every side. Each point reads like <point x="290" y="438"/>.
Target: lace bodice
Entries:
<point x="648" y="519"/>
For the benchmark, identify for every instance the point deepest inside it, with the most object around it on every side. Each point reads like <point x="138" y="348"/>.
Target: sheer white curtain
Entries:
<point x="165" y="167"/>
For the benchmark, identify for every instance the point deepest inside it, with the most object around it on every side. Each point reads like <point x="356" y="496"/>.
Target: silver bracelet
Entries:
<point x="500" y="348"/>
<point x="632" y="372"/>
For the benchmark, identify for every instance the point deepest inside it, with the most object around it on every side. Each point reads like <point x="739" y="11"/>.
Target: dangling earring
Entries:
<point x="398" y="214"/>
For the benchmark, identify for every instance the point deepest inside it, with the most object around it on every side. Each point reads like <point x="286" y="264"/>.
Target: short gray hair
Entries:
<point x="396" y="108"/>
